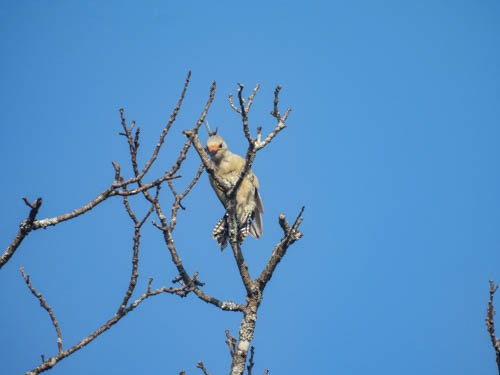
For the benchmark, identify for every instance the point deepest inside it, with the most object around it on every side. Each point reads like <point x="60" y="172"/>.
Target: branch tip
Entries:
<point x="201" y="366"/>
<point x="490" y="323"/>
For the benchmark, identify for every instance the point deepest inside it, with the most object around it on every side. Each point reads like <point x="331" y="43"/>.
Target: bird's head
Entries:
<point x="216" y="146"/>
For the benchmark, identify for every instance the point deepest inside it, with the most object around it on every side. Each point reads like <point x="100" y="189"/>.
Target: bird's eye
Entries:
<point x="220" y="145"/>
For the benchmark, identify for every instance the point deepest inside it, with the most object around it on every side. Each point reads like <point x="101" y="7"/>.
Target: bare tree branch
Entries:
<point x="250" y="361"/>
<point x="200" y="121"/>
<point x="490" y="323"/>
<point x="179" y="197"/>
<point x="250" y="98"/>
<point x="47" y="308"/>
<point x="52" y="361"/>
<point x="146" y="187"/>
<point x="124" y="307"/>
<point x="256" y="144"/>
<point x="135" y="257"/>
<point x="134" y="141"/>
<point x="172" y="119"/>
<point x="201" y="366"/>
<point x="230" y="98"/>
<point x="113" y="190"/>
<point x="281" y="121"/>
<point x="290" y="235"/>
<point x="243" y="111"/>
<point x="231" y="343"/>
<point x="25" y="227"/>
<point x="30" y="224"/>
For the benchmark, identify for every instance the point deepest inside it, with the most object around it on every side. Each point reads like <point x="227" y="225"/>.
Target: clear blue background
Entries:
<point x="392" y="146"/>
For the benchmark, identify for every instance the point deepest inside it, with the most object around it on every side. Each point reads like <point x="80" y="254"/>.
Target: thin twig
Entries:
<point x="179" y="197"/>
<point x="201" y="366"/>
<point x="290" y="235"/>
<point x="281" y="122"/>
<point x="151" y="208"/>
<point x="200" y="121"/>
<point x="135" y="254"/>
<point x="250" y="361"/>
<point x="171" y="120"/>
<point x="230" y="98"/>
<point x="133" y="146"/>
<point x="244" y="114"/>
<point x="275" y="112"/>
<point x="231" y="343"/>
<point x="250" y="98"/>
<point x="129" y="210"/>
<point x="145" y="187"/>
<point x="193" y="181"/>
<point x="47" y="308"/>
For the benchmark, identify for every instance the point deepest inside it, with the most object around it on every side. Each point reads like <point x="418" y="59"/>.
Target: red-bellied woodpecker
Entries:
<point x="249" y="209"/>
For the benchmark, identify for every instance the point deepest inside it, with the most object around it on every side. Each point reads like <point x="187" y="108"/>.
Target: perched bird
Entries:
<point x="249" y="208"/>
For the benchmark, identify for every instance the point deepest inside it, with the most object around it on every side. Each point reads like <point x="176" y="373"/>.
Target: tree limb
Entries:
<point x="47" y="364"/>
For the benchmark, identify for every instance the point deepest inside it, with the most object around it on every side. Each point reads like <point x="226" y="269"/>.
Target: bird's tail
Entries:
<point x="220" y="232"/>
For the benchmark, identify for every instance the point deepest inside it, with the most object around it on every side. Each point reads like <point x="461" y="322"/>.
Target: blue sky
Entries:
<point x="392" y="146"/>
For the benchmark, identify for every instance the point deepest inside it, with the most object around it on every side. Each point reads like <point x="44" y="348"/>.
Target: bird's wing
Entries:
<point x="256" y="224"/>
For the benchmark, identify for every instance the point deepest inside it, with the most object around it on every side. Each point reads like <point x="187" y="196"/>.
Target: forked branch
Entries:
<point x="117" y="188"/>
<point x="122" y="310"/>
<point x="47" y="364"/>
<point x="24" y="229"/>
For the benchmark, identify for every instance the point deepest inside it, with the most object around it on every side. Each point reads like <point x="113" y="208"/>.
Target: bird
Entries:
<point x="249" y="209"/>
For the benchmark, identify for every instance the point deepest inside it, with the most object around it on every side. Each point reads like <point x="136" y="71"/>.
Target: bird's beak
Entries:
<point x="212" y="149"/>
